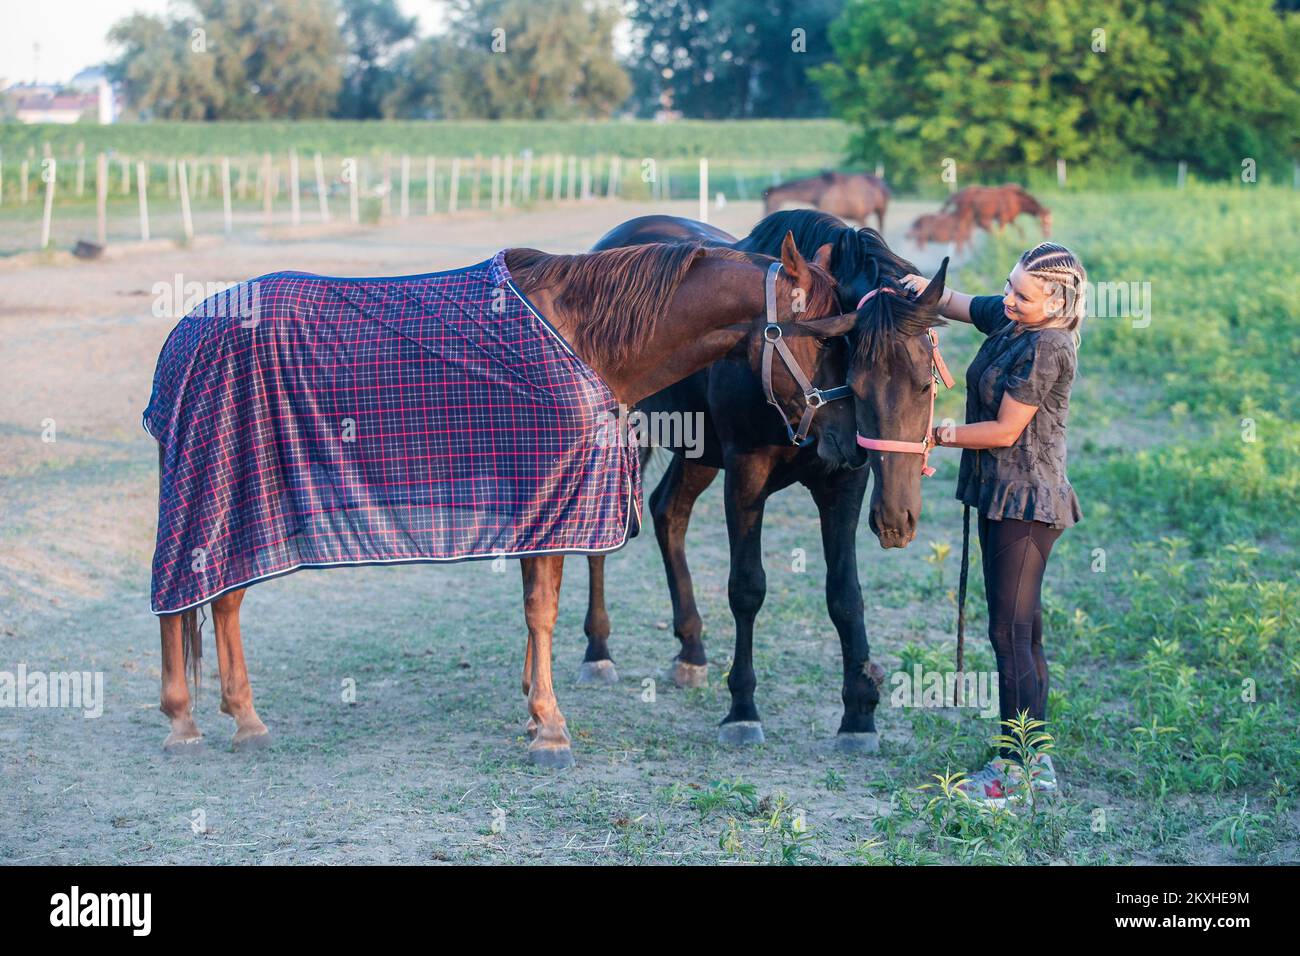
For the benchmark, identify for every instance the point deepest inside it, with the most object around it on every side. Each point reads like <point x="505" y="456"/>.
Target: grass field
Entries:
<point x="1171" y="609"/>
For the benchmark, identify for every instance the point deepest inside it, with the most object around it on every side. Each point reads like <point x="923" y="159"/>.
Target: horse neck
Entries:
<point x="709" y="314"/>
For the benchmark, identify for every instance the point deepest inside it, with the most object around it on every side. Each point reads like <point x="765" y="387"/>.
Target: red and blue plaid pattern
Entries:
<point x="313" y="421"/>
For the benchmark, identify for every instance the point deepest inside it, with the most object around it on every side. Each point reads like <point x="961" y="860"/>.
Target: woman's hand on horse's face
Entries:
<point x="914" y="284"/>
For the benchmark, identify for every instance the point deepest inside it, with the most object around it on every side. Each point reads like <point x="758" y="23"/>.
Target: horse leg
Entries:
<point x="839" y="507"/>
<point x="670" y="506"/>
<point x="236" y="693"/>
<point x="550" y="745"/>
<point x="597" y="665"/>
<point x="185" y="736"/>
<point x="746" y="495"/>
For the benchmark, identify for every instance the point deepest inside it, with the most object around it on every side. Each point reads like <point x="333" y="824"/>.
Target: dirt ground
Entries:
<point x="429" y="763"/>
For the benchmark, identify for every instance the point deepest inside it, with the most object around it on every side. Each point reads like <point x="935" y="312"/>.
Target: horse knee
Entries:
<point x="747" y="595"/>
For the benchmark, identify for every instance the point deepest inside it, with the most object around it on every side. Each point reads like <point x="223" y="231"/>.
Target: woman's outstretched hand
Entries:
<point x="914" y="284"/>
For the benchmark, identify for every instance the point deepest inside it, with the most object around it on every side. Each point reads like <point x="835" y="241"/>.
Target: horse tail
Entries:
<point x="192" y="643"/>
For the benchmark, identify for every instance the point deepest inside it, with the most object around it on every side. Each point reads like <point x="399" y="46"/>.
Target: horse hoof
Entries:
<point x="688" y="675"/>
<point x="256" y="740"/>
<point x="858" y="743"/>
<point x="551" y="758"/>
<point x="597" y="672"/>
<point x="741" y="733"/>
<point x="179" y="746"/>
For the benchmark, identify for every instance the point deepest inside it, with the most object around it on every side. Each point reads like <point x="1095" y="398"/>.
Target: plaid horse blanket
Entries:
<point x="312" y="421"/>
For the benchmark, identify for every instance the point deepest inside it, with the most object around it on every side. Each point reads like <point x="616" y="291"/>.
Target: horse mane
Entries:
<point x="890" y="318"/>
<point x="854" y="251"/>
<point x="619" y="295"/>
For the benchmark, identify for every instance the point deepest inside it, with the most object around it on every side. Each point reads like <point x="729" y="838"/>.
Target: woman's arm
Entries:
<point x="953" y="305"/>
<point x="1012" y="418"/>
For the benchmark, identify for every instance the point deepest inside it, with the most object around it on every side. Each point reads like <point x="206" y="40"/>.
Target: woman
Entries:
<point x="1013" y="473"/>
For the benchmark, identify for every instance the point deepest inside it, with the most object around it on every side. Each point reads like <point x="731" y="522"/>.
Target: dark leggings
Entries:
<point x="1015" y="557"/>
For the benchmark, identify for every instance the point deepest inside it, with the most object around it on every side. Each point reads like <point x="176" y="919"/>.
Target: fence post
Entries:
<point x="386" y="185"/>
<point x="478" y="177"/>
<point x="496" y="183"/>
<point x="508" y="181"/>
<point x="267" y="198"/>
<point x="49" y="173"/>
<point x="226" y="212"/>
<point x="526" y="186"/>
<point x="354" y="204"/>
<point x="322" y="196"/>
<point x="1060" y="173"/>
<point x="81" y="168"/>
<point x="142" y="190"/>
<point x="615" y="170"/>
<point x="1182" y="173"/>
<point x="187" y="220"/>
<point x="429" y="181"/>
<point x="453" y="189"/>
<point x="295" y="200"/>
<point x="704" y="189"/>
<point x="22" y="180"/>
<point x="406" y="187"/>
<point x="101" y="199"/>
<point x="557" y="177"/>
<point x="171" y="179"/>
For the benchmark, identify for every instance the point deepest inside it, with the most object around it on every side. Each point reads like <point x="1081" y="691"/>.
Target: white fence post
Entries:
<point x="704" y="189"/>
<point x="227" y="214"/>
<point x="142" y="190"/>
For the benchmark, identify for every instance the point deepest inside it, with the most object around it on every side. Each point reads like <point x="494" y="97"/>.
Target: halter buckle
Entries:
<point x="769" y="329"/>
<point x="815" y="398"/>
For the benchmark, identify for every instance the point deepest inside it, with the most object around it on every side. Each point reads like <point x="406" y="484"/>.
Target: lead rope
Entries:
<point x="961" y="605"/>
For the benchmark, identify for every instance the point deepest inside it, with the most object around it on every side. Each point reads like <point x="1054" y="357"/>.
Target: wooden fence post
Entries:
<point x="322" y="191"/>
<point x="49" y="174"/>
<point x="267" y="198"/>
<point x="187" y="219"/>
<point x="406" y="187"/>
<point x="142" y="191"/>
<point x="101" y="199"/>
<point x="526" y="186"/>
<point x="430" y="181"/>
<point x="226" y="211"/>
<point x="295" y="199"/>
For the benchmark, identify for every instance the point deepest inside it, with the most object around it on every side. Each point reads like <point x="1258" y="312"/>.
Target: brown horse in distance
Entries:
<point x="643" y="318"/>
<point x="851" y="196"/>
<point x="940" y="227"/>
<point x="986" y="206"/>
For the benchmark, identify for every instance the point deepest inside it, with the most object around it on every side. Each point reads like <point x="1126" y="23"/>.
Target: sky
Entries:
<point x="71" y="33"/>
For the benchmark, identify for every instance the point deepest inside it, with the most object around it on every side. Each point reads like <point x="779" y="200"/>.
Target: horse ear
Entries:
<point x="794" y="263"/>
<point x="934" y="291"/>
<point x="822" y="257"/>
<point x="831" y="325"/>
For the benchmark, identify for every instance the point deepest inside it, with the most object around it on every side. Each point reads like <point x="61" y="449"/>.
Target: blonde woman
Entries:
<point x="1013" y="474"/>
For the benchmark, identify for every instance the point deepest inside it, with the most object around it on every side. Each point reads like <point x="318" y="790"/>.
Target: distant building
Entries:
<point x="88" y="98"/>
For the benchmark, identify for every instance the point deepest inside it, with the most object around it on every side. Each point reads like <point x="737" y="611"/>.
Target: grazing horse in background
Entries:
<point x="890" y="369"/>
<point x="851" y="196"/>
<point x="642" y="318"/>
<point x="986" y="206"/>
<point x="940" y="227"/>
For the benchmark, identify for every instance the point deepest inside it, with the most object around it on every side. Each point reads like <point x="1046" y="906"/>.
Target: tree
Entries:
<point x="525" y="59"/>
<point x="374" y="31"/>
<point x="231" y="59"/>
<point x="998" y="85"/>
<point x="730" y="58"/>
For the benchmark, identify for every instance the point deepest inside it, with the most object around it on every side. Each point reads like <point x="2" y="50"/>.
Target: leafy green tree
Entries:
<point x="374" y="31"/>
<point x="1001" y="85"/>
<point x="730" y="59"/>
<point x="231" y="59"/>
<point x="517" y="59"/>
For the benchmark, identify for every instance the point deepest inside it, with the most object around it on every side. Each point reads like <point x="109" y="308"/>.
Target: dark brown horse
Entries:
<point x="851" y="196"/>
<point x="643" y="319"/>
<point x="989" y="206"/>
<point x="890" y="366"/>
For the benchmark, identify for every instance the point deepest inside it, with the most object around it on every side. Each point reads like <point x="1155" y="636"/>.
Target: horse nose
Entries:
<point x="894" y="527"/>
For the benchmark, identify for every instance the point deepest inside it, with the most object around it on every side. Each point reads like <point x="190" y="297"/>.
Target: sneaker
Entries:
<point x="1042" y="776"/>
<point x="992" y="784"/>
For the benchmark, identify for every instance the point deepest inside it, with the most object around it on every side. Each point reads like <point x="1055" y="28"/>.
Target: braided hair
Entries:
<point x="1061" y="269"/>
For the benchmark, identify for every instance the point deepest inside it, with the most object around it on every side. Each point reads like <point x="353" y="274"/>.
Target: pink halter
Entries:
<point x="922" y="447"/>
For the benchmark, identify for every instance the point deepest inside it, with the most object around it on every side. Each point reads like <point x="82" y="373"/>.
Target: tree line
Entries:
<point x="992" y="83"/>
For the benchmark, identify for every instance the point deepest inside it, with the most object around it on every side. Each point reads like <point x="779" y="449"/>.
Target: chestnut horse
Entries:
<point x="890" y="374"/>
<point x="851" y="196"/>
<point x="987" y="206"/>
<point x="643" y="319"/>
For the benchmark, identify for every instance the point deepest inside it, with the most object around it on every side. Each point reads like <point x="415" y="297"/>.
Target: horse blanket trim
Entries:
<point x="317" y="422"/>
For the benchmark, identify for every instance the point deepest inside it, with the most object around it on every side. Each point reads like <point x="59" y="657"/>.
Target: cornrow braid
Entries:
<point x="1052" y="262"/>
